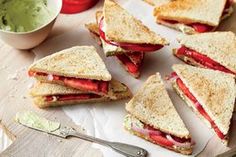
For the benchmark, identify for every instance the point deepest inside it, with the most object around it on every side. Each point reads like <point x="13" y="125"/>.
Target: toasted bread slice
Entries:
<point x="93" y="28"/>
<point x="219" y="46"/>
<point x="94" y="31"/>
<point x="193" y="108"/>
<point x="41" y="90"/>
<point x="214" y="90"/>
<point x="121" y="26"/>
<point x="129" y="119"/>
<point x="41" y="103"/>
<point x="192" y="11"/>
<point x="152" y="105"/>
<point x="109" y="50"/>
<point x="78" y="62"/>
<point x="98" y="15"/>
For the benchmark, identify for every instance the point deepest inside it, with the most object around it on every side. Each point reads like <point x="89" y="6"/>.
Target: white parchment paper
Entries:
<point x="104" y="120"/>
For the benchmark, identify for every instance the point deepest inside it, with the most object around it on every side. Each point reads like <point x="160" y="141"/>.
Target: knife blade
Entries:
<point x="33" y="121"/>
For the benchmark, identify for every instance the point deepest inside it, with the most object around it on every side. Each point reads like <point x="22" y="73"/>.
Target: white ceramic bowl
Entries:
<point x="28" y="40"/>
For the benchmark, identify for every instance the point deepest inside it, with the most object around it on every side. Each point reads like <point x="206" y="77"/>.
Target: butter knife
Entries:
<point x="33" y="121"/>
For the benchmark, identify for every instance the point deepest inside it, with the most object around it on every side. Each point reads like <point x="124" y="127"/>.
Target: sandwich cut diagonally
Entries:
<point x="215" y="50"/>
<point x="193" y="16"/>
<point x="152" y="116"/>
<point x="50" y="95"/>
<point x="211" y="95"/>
<point x="79" y="67"/>
<point x="124" y="36"/>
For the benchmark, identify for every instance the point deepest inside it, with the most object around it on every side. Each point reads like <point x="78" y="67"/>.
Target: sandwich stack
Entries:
<point x="72" y="76"/>
<point x="152" y="116"/>
<point x="211" y="95"/>
<point x="123" y="36"/>
<point x="193" y="16"/>
<point x="216" y="50"/>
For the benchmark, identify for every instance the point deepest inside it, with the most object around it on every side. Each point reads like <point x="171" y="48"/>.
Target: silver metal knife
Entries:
<point x="31" y="120"/>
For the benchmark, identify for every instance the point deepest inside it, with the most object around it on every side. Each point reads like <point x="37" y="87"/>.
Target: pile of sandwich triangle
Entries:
<point x="211" y="94"/>
<point x="152" y="115"/>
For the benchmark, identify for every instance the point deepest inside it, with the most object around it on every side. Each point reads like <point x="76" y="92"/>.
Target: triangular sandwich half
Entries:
<point x="130" y="61"/>
<point x="50" y="95"/>
<point x="152" y="116"/>
<point x="215" y="50"/>
<point x="211" y="95"/>
<point x="193" y="16"/>
<point x="94" y="31"/>
<point x="122" y="34"/>
<point x="79" y="67"/>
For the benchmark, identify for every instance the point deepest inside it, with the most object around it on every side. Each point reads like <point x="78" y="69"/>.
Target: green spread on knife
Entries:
<point x="24" y="15"/>
<point x="32" y="120"/>
<point x="131" y="120"/>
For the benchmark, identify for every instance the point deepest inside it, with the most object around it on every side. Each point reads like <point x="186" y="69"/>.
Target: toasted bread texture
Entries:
<point x="192" y="106"/>
<point x="94" y="31"/>
<point x="219" y="46"/>
<point x="121" y="26"/>
<point x="152" y="105"/>
<point x="77" y="62"/>
<point x="41" y="103"/>
<point x="108" y="49"/>
<point x="192" y="11"/>
<point x="45" y="89"/>
<point x="135" y="75"/>
<point x="98" y="15"/>
<point x="214" y="90"/>
<point x="41" y="90"/>
<point x="93" y="28"/>
<point x="185" y="151"/>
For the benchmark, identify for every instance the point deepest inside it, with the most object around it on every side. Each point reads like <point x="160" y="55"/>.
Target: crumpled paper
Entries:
<point x="105" y="120"/>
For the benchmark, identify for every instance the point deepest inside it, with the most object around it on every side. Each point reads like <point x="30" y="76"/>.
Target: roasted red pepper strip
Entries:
<point x="202" y="28"/>
<point x="202" y="59"/>
<point x="84" y="84"/>
<point x="131" y="67"/>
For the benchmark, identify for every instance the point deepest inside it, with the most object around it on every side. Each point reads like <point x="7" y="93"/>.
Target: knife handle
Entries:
<point x="128" y="150"/>
<point x="122" y="148"/>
